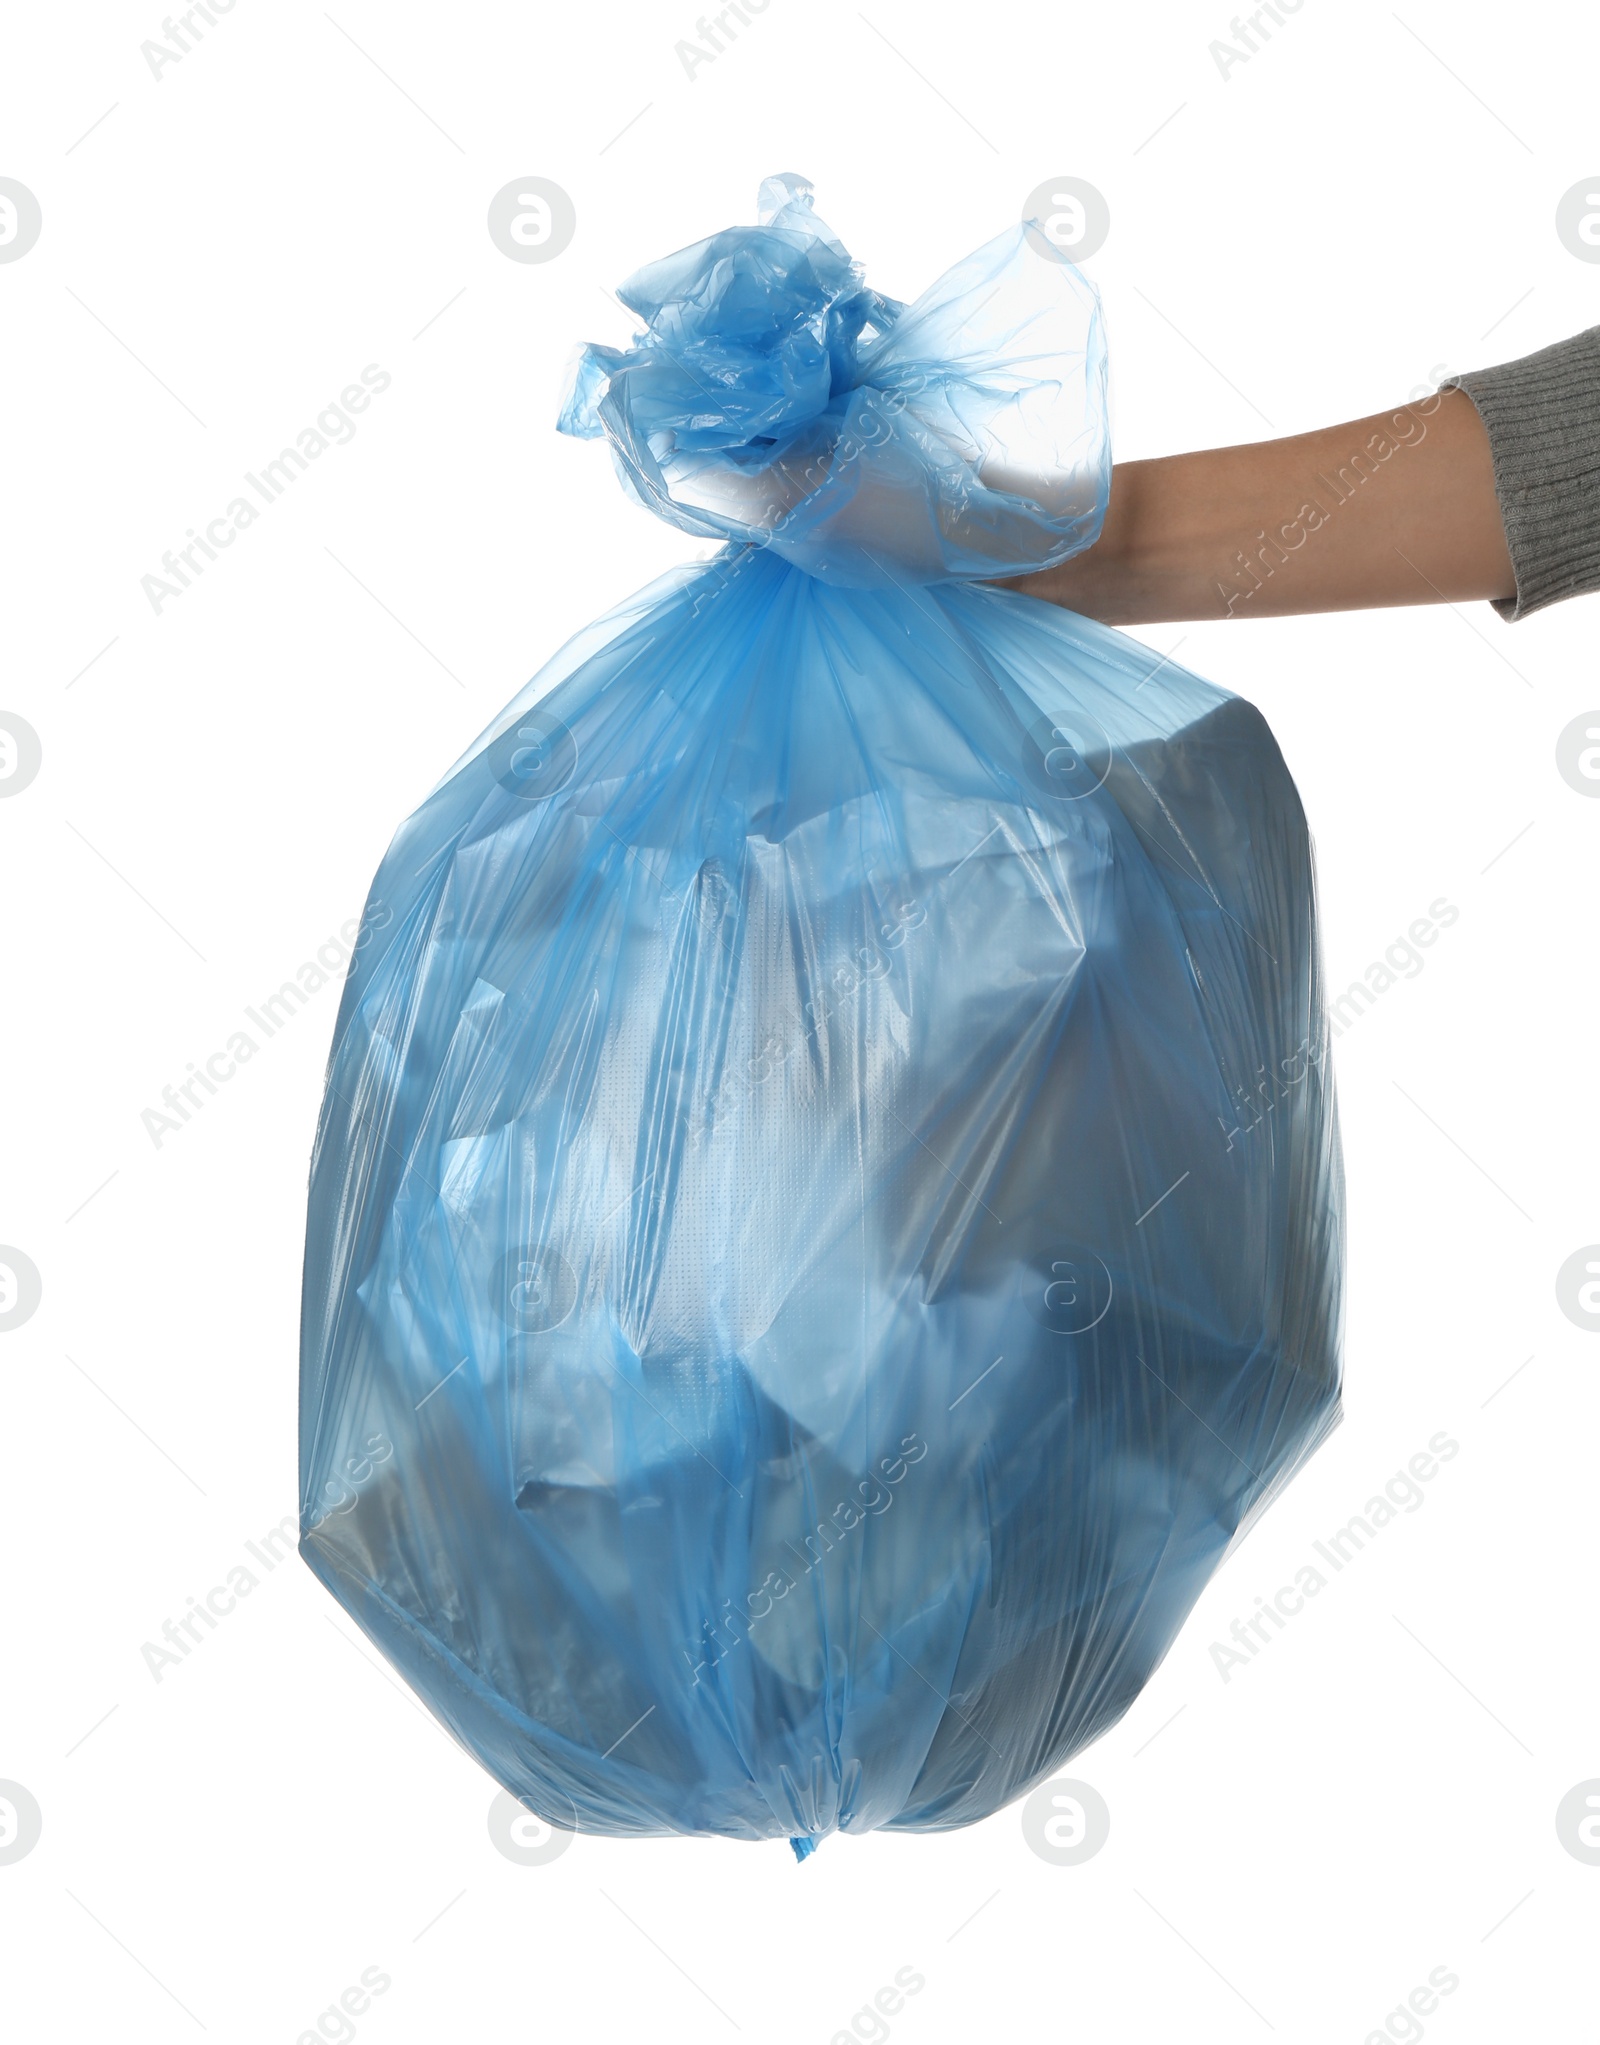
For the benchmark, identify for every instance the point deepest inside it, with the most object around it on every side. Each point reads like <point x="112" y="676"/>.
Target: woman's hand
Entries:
<point x="1396" y="509"/>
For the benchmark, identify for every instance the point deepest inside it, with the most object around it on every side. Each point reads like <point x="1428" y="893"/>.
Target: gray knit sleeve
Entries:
<point x="1543" y="418"/>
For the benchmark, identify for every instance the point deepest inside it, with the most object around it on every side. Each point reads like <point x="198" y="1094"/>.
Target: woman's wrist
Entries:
<point x="1398" y="508"/>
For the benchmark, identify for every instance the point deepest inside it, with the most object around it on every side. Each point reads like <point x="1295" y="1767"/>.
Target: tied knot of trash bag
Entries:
<point x="773" y="399"/>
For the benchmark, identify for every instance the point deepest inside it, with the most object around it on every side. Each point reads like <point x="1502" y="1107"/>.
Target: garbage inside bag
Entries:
<point x="827" y="1217"/>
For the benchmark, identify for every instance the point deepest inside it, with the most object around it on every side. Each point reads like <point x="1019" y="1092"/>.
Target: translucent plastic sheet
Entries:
<point x="826" y="1221"/>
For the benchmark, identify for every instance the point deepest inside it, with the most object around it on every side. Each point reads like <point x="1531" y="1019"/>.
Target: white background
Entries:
<point x="1365" y="199"/>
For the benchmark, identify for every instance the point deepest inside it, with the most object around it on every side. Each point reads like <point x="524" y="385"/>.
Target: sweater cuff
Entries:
<point x="1542" y="415"/>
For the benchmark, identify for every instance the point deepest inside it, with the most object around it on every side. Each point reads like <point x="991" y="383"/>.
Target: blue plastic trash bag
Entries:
<point x="826" y="1220"/>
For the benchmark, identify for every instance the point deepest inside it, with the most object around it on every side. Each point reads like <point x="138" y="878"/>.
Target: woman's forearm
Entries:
<point x="1396" y="509"/>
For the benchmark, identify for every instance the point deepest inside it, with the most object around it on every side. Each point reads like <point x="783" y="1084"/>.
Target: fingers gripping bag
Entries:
<point x="826" y="1222"/>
